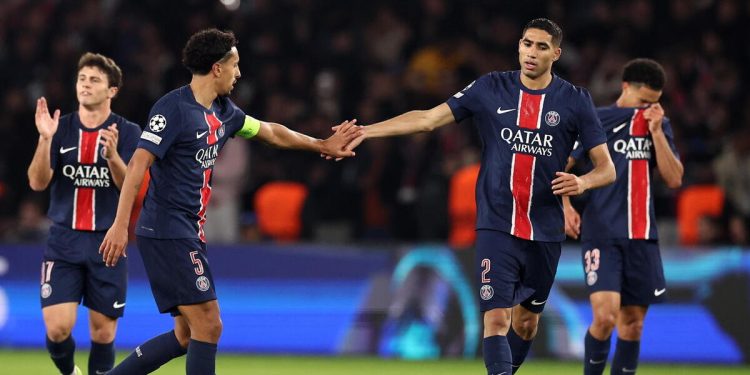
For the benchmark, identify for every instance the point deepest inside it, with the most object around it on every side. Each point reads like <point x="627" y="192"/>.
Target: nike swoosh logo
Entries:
<point x="101" y="372"/>
<point x="625" y="369"/>
<point x="65" y="150"/>
<point x="658" y="292"/>
<point x="619" y="127"/>
<point x="199" y="135"/>
<point x="535" y="303"/>
<point x="500" y="110"/>
<point x="118" y="305"/>
<point x="591" y="361"/>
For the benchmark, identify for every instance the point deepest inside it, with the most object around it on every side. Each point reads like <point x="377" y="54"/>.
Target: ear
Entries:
<point x="216" y="69"/>
<point x="558" y="53"/>
<point x="625" y="86"/>
<point x="112" y="92"/>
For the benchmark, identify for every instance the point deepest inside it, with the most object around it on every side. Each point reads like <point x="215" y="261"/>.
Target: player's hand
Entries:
<point x="349" y="146"/>
<point x="572" y="221"/>
<point x="109" y="141"/>
<point x="337" y="145"/>
<point x="45" y="124"/>
<point x="654" y="114"/>
<point x="114" y="245"/>
<point x="568" y="184"/>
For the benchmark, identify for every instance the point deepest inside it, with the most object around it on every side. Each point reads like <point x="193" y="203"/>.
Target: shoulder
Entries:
<point x="171" y="100"/>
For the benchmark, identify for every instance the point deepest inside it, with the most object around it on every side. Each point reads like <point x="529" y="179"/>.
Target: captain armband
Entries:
<point x="250" y="128"/>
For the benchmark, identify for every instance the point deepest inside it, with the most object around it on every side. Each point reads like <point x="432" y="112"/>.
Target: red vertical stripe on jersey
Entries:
<point x="213" y="125"/>
<point x="205" y="196"/>
<point x="522" y="168"/>
<point x="84" y="213"/>
<point x="639" y="186"/>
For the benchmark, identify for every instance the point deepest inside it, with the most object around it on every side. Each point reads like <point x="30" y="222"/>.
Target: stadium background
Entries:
<point x="374" y="259"/>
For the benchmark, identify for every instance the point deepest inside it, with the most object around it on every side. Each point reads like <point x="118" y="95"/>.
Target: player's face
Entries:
<point x="638" y="95"/>
<point x="536" y="53"/>
<point x="228" y="72"/>
<point x="92" y="87"/>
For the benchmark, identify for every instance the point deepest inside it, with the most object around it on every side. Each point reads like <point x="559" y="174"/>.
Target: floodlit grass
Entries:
<point x="37" y="362"/>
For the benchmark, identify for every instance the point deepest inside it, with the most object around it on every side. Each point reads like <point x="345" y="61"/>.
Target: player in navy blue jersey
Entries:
<point x="621" y="261"/>
<point x="83" y="156"/>
<point x="528" y="121"/>
<point x="180" y="144"/>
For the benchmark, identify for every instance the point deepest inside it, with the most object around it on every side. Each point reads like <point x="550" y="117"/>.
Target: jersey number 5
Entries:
<point x="198" y="264"/>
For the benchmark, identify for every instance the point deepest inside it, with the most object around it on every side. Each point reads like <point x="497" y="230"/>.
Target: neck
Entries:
<point x="203" y="90"/>
<point x="92" y="117"/>
<point x="537" y="83"/>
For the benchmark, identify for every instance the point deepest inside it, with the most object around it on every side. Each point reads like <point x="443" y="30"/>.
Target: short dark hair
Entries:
<point x="205" y="48"/>
<point x="644" y="71"/>
<point x="547" y="25"/>
<point x="105" y="64"/>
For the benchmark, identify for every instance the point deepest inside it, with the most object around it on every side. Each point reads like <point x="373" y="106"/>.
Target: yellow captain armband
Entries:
<point x="250" y="128"/>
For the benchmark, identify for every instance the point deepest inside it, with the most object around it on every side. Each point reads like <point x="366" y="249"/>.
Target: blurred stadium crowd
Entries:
<point x="311" y="63"/>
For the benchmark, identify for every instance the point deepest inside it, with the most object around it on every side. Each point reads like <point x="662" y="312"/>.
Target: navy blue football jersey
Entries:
<point x="186" y="139"/>
<point x="527" y="136"/>
<point x="625" y="209"/>
<point x="83" y="195"/>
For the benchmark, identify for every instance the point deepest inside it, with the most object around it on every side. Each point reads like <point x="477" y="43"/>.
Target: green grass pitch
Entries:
<point x="37" y="362"/>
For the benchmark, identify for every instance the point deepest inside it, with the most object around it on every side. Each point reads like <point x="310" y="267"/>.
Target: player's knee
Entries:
<point x="102" y="335"/>
<point x="210" y="328"/>
<point x="526" y="328"/>
<point x="631" y="330"/>
<point x="58" y="332"/>
<point x="605" y="319"/>
<point x="496" y="322"/>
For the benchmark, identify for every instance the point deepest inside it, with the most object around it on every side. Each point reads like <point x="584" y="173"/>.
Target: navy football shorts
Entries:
<point x="73" y="271"/>
<point x="632" y="268"/>
<point x="514" y="271"/>
<point x="178" y="272"/>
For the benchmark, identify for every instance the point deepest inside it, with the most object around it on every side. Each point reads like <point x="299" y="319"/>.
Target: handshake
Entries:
<point x="346" y="137"/>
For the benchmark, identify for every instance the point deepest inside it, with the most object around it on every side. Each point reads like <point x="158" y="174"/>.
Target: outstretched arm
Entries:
<point x="280" y="136"/>
<point x="412" y="122"/>
<point x="116" y="238"/>
<point x="602" y="174"/>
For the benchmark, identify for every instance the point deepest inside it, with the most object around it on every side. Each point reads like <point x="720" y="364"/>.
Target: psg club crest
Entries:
<point x="221" y="131"/>
<point x="486" y="292"/>
<point x="46" y="290"/>
<point x="157" y="123"/>
<point x="202" y="283"/>
<point x="591" y="278"/>
<point x="552" y="118"/>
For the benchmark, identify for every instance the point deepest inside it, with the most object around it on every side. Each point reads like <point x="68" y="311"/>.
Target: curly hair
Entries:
<point x="646" y="72"/>
<point x="547" y="25"/>
<point x="105" y="64"/>
<point x="205" y="48"/>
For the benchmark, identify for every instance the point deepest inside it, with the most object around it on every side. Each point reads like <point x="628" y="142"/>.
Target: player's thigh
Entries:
<point x="106" y="287"/>
<point x="540" y="266"/>
<point x="643" y="274"/>
<point x="602" y="265"/>
<point x="498" y="268"/>
<point x="178" y="272"/>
